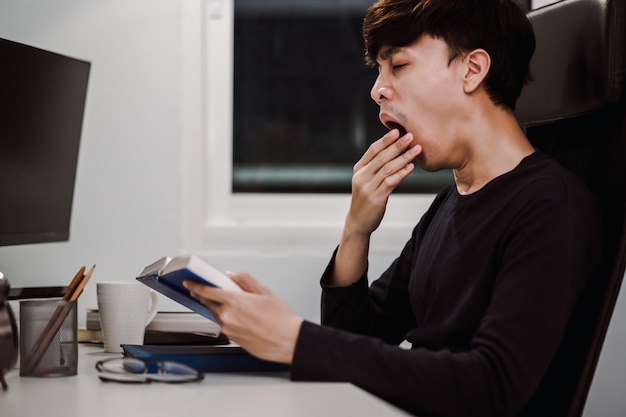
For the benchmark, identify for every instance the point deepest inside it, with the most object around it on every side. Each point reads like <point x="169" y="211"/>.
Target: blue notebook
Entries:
<point x="205" y="358"/>
<point x="166" y="276"/>
<point x="178" y="294"/>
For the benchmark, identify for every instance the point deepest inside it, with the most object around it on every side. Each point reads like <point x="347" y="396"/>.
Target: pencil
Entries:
<point x="56" y="320"/>
<point x="73" y="284"/>
<point x="81" y="284"/>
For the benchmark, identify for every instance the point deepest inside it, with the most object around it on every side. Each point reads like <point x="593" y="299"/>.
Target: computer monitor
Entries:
<point x="42" y="101"/>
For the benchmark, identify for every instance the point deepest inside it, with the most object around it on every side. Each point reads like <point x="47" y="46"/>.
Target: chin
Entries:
<point x="428" y="166"/>
<point x="432" y="164"/>
<point x="423" y="163"/>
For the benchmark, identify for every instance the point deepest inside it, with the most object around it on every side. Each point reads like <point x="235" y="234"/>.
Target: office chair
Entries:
<point x="575" y="110"/>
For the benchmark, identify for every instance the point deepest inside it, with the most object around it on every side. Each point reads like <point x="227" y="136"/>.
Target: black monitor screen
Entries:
<point x="42" y="100"/>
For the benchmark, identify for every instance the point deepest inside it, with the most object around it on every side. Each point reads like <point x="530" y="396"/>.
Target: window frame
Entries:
<point x="215" y="219"/>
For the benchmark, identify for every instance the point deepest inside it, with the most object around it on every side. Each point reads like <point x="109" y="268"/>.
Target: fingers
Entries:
<point x="205" y="292"/>
<point x="391" y="152"/>
<point x="386" y="162"/>
<point x="218" y="295"/>
<point x="248" y="283"/>
<point x="375" y="148"/>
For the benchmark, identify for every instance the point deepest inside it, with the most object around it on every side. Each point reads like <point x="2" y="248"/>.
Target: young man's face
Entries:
<point x="420" y="91"/>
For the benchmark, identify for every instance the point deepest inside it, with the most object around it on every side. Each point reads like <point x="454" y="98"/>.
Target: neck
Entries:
<point x="496" y="147"/>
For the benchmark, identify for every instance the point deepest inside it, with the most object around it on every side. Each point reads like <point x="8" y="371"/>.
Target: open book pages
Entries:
<point x="193" y="264"/>
<point x="155" y="267"/>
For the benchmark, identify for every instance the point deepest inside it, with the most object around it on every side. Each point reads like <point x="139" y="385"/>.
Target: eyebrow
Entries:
<point x="386" y="53"/>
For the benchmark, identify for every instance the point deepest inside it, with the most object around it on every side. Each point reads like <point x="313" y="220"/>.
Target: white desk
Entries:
<point x="223" y="395"/>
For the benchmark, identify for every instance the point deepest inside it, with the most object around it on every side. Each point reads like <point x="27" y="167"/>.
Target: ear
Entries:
<point x="477" y="63"/>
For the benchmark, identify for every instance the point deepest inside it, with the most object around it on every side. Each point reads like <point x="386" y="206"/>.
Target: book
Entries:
<point x="166" y="321"/>
<point x="89" y="336"/>
<point x="167" y="327"/>
<point x="225" y="358"/>
<point x="166" y="275"/>
<point x="183" y="322"/>
<point x="152" y="337"/>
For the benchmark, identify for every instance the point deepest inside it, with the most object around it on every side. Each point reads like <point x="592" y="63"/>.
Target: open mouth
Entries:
<point x="393" y="125"/>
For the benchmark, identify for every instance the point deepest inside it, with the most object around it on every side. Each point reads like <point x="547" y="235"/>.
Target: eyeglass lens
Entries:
<point x="135" y="370"/>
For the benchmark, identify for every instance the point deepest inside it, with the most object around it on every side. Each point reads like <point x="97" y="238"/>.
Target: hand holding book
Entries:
<point x="260" y="322"/>
<point x="257" y="319"/>
<point x="167" y="275"/>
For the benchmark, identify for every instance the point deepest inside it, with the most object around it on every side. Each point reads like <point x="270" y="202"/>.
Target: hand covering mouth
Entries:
<point x="394" y="125"/>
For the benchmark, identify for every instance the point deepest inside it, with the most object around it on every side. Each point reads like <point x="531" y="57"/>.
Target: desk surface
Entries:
<point x="223" y="395"/>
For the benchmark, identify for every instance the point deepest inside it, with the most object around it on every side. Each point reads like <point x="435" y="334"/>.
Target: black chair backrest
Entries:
<point x="575" y="110"/>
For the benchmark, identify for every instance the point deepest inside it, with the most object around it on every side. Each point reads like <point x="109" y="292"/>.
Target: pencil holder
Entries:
<point x="48" y="338"/>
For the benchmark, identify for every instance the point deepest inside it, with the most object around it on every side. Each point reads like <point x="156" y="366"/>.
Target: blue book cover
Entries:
<point x="177" y="293"/>
<point x="205" y="358"/>
<point x="167" y="275"/>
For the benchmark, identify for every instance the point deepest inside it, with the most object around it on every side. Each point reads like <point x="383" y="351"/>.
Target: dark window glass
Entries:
<point x="302" y="111"/>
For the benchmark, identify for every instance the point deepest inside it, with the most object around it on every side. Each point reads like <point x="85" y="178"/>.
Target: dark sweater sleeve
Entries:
<point x="384" y="313"/>
<point x="543" y="270"/>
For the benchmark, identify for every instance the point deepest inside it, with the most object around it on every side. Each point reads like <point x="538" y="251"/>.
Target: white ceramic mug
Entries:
<point x="126" y="308"/>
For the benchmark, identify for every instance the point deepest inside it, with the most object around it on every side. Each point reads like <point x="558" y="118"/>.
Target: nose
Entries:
<point x="380" y="91"/>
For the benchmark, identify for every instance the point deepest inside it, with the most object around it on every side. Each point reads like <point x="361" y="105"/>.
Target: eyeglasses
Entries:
<point x="139" y="371"/>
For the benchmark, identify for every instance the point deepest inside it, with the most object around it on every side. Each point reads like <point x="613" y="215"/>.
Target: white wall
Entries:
<point x="126" y="208"/>
<point x="127" y="202"/>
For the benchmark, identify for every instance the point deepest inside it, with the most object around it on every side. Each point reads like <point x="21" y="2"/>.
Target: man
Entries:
<point x="485" y="286"/>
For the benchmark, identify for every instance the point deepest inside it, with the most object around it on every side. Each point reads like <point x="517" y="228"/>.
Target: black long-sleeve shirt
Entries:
<point x="482" y="290"/>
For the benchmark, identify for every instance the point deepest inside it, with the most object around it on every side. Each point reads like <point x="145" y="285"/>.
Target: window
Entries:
<point x="302" y="112"/>
<point x="276" y="112"/>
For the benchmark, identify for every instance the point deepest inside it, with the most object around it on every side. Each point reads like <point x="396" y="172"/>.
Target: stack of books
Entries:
<point x="173" y="328"/>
